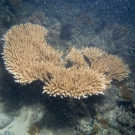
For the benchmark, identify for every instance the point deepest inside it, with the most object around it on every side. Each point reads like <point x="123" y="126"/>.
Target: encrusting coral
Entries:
<point x="28" y="57"/>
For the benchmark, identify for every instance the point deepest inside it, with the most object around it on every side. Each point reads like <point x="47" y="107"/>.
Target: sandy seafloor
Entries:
<point x="108" y="25"/>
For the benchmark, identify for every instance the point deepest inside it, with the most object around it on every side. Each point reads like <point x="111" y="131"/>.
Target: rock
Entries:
<point x="83" y="127"/>
<point x="5" y="120"/>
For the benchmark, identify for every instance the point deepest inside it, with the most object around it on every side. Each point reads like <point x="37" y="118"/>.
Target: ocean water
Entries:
<point x="56" y="96"/>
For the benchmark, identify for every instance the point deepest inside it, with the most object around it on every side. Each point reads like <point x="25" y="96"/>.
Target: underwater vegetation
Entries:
<point x="15" y="2"/>
<point x="66" y="31"/>
<point x="8" y="16"/>
<point x="95" y="130"/>
<point x="75" y="110"/>
<point x="34" y="129"/>
<point x="37" y="18"/>
<point x="119" y="31"/>
<point x="104" y="122"/>
<point x="125" y="91"/>
<point x="85" y="19"/>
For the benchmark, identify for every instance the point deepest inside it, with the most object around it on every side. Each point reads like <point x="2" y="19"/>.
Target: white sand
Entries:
<point x="21" y="123"/>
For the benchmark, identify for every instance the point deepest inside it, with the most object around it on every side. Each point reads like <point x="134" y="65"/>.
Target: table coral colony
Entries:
<point x="81" y="73"/>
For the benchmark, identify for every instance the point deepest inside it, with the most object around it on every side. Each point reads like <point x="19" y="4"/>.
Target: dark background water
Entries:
<point x="106" y="24"/>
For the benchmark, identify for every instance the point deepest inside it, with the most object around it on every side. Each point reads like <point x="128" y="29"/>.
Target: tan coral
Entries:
<point x="111" y="66"/>
<point x="28" y="57"/>
<point x="77" y="84"/>
<point x="93" y="54"/>
<point x="24" y="49"/>
<point x="118" y="70"/>
<point x="76" y="58"/>
<point x="96" y="59"/>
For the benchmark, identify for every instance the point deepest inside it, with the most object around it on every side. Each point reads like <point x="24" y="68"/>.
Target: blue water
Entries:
<point x="108" y="25"/>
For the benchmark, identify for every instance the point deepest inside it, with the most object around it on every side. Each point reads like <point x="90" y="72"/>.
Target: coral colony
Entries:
<point x="81" y="73"/>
